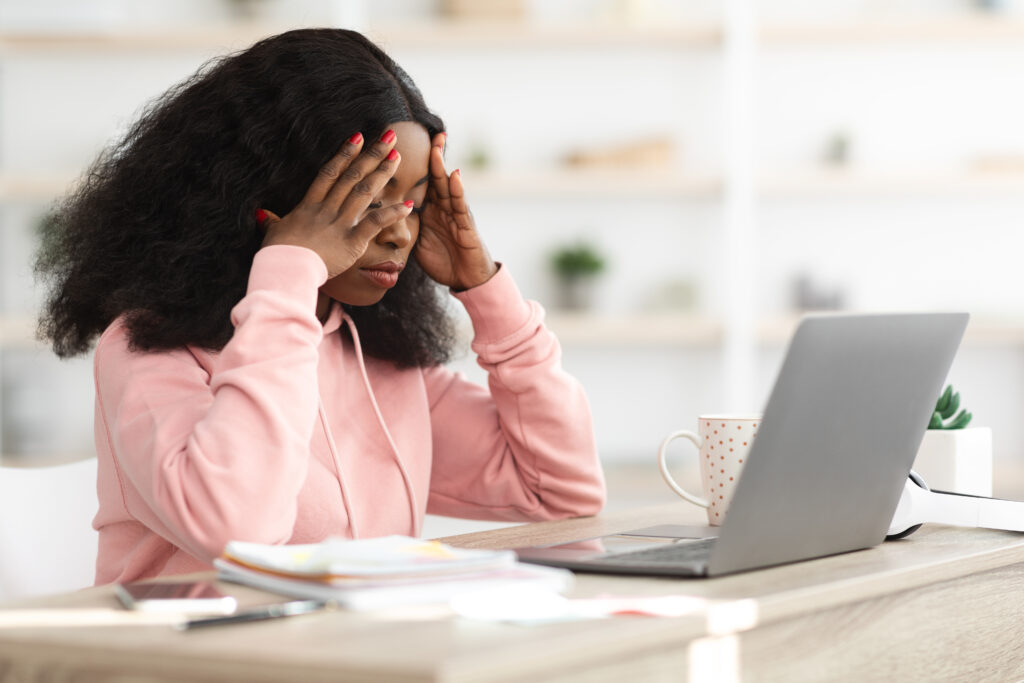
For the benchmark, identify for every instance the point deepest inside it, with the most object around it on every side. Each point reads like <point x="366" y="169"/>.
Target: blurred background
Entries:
<point x="676" y="181"/>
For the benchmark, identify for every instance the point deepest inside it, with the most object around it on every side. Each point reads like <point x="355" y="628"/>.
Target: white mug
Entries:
<point x="723" y="442"/>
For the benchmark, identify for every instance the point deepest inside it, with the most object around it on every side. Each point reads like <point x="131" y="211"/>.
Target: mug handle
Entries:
<point x="695" y="440"/>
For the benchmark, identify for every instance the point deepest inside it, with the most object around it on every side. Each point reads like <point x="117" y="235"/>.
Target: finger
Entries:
<point x="359" y="170"/>
<point x="265" y="219"/>
<point x="363" y="192"/>
<point x="439" y="141"/>
<point x="439" y="178"/>
<point x="329" y="173"/>
<point x="378" y="219"/>
<point x="460" y="209"/>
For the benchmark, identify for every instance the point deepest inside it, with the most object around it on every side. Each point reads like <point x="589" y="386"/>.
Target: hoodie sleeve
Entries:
<point x="207" y="458"/>
<point x="525" y="448"/>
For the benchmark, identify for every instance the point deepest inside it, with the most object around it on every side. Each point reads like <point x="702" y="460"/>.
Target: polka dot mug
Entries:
<point x="722" y="442"/>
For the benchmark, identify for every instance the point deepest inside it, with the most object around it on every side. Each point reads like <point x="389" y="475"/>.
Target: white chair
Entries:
<point x="47" y="543"/>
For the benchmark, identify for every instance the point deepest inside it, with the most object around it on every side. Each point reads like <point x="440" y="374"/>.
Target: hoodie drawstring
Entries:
<point x="411" y="493"/>
<point x="337" y="467"/>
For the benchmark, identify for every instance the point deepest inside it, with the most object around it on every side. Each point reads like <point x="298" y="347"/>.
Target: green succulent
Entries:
<point x="576" y="260"/>
<point x="946" y="415"/>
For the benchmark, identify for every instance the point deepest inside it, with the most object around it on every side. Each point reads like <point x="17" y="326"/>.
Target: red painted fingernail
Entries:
<point x="457" y="172"/>
<point x="261" y="216"/>
<point x="392" y="155"/>
<point x="388" y="137"/>
<point x="356" y="139"/>
<point x="409" y="203"/>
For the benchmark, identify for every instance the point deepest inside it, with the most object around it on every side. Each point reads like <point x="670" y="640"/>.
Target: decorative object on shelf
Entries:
<point x="1007" y="163"/>
<point x="811" y="295"/>
<point x="478" y="156"/>
<point x="649" y="153"/>
<point x="491" y="10"/>
<point x="678" y="294"/>
<point x="247" y="10"/>
<point x="837" y="149"/>
<point x="645" y="12"/>
<point x="577" y="267"/>
<point x="992" y="5"/>
<point x="953" y="456"/>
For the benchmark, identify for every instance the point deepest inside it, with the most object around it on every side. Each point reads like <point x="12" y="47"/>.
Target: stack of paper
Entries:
<point x="381" y="572"/>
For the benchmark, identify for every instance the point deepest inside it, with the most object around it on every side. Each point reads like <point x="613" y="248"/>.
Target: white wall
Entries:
<point x="913" y="107"/>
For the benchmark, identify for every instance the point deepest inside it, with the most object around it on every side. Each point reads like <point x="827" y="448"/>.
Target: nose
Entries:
<point x="398" y="235"/>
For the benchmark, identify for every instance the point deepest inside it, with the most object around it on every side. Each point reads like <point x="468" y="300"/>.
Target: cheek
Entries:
<point x="414" y="228"/>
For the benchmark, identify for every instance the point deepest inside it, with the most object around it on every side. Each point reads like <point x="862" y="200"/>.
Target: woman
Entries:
<point x="260" y="259"/>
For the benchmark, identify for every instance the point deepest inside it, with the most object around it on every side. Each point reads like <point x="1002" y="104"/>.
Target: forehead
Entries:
<point x="414" y="146"/>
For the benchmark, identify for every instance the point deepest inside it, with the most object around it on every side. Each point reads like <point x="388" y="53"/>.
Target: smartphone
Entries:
<point x="194" y="597"/>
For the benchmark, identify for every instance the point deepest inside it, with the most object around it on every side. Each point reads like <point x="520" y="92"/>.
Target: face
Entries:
<point x="366" y="282"/>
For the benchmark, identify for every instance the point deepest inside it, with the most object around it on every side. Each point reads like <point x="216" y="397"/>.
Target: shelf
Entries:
<point x="967" y="28"/>
<point x="461" y="34"/>
<point x="615" y="184"/>
<point x="49" y="459"/>
<point x="146" y="39"/>
<point x="33" y="187"/>
<point x="441" y="34"/>
<point x="853" y="182"/>
<point x="18" y="332"/>
<point x="648" y="183"/>
<point x="641" y="329"/>
<point x="437" y="35"/>
<point x="635" y="329"/>
<point x="612" y="183"/>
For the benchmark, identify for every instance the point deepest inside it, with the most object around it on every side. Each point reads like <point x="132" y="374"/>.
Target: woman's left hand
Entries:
<point x="450" y="249"/>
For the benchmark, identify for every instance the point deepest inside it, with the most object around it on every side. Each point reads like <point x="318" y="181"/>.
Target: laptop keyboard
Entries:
<point x="668" y="554"/>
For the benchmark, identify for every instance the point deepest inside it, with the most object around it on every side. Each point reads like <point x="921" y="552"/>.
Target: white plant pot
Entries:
<point x="957" y="460"/>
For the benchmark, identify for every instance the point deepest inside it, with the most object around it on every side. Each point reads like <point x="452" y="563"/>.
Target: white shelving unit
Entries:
<point x="736" y="329"/>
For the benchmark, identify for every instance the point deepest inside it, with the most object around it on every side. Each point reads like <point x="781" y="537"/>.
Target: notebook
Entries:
<point x="382" y="572"/>
<point x="838" y="436"/>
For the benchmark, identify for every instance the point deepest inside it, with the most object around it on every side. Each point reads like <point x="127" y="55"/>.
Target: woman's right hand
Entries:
<point x="330" y="218"/>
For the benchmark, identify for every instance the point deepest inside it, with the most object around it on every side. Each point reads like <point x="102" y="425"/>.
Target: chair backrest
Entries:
<point x="47" y="543"/>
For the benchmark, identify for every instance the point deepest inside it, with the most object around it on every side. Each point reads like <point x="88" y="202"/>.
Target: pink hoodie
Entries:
<point x="289" y="435"/>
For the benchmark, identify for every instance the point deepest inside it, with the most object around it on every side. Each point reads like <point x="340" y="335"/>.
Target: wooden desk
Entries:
<point x="944" y="604"/>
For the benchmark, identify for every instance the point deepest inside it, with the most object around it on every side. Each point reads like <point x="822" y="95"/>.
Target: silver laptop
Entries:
<point x="839" y="434"/>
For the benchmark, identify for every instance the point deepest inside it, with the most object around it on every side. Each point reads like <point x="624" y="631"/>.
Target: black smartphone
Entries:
<point x="193" y="597"/>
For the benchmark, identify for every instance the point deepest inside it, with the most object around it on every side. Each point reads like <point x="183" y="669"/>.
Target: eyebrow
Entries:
<point x="392" y="181"/>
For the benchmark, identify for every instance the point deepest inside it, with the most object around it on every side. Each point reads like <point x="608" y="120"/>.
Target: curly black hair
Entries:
<point x="162" y="228"/>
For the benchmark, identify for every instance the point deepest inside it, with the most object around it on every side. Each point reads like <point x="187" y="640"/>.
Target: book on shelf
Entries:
<point x="381" y="572"/>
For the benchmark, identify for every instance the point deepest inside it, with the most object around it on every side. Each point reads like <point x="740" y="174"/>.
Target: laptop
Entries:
<point x="838" y="436"/>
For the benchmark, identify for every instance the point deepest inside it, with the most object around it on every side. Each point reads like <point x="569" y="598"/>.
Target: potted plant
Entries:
<point x="576" y="268"/>
<point x="953" y="456"/>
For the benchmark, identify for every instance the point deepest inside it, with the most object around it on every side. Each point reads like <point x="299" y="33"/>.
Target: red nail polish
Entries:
<point x="392" y="155"/>
<point x="356" y="139"/>
<point x="388" y="137"/>
<point x="261" y="216"/>
<point x="409" y="203"/>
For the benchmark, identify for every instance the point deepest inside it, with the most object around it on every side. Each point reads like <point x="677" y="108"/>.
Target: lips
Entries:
<point x="383" y="274"/>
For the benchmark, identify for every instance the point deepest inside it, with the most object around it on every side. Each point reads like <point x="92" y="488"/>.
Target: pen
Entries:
<point x="287" y="609"/>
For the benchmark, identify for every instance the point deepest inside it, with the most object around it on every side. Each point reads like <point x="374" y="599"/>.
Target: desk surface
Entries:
<point x="943" y="603"/>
